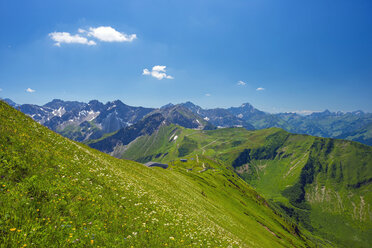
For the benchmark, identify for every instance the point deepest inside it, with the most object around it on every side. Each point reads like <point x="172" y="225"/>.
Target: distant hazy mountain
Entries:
<point x="219" y="117"/>
<point x="327" y="124"/>
<point x="362" y="135"/>
<point x="350" y="125"/>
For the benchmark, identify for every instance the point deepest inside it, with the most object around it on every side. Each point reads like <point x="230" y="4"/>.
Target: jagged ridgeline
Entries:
<point x="58" y="193"/>
<point x="86" y="122"/>
<point x="322" y="184"/>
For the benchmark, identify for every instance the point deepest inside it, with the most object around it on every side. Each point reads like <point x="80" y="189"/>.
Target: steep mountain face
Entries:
<point x="116" y="115"/>
<point x="124" y="136"/>
<point x="81" y="121"/>
<point x="180" y="115"/>
<point x="323" y="184"/>
<point x="56" y="193"/>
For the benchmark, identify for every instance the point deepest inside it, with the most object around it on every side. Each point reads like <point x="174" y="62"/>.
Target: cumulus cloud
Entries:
<point x="65" y="37"/>
<point x="146" y="72"/>
<point x="158" y="72"/>
<point x="260" y="89"/>
<point x="109" y="34"/>
<point x="241" y="83"/>
<point x="85" y="37"/>
<point x="29" y="90"/>
<point x="159" y="68"/>
<point x="207" y="94"/>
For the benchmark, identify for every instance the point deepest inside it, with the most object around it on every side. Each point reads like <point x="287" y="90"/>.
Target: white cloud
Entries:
<point x="104" y="34"/>
<point x="109" y="34"/>
<point x="159" y="68"/>
<point x="29" y="90"/>
<point x="65" y="37"/>
<point x="260" y="89"/>
<point x="241" y="83"/>
<point x="158" y="72"/>
<point x="207" y="94"/>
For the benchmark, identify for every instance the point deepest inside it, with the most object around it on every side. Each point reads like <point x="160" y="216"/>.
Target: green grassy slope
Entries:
<point x="56" y="192"/>
<point x="324" y="184"/>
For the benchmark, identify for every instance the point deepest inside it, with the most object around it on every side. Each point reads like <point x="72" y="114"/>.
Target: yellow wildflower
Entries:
<point x="92" y="241"/>
<point x="13" y="229"/>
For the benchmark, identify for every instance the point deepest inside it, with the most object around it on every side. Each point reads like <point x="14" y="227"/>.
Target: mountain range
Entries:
<point x="250" y="188"/>
<point x="90" y="121"/>
<point x="81" y="121"/>
<point x="322" y="124"/>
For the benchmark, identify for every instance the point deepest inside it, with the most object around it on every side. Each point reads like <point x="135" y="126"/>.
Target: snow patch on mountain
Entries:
<point x="58" y="112"/>
<point x="111" y="107"/>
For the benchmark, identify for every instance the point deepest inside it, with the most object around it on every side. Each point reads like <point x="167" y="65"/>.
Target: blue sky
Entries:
<point x="289" y="55"/>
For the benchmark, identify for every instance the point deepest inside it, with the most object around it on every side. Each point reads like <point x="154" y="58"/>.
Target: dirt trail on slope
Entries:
<point x="207" y="145"/>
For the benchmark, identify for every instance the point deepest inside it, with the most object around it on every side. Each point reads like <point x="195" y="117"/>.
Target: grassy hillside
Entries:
<point x="56" y="192"/>
<point x="323" y="184"/>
